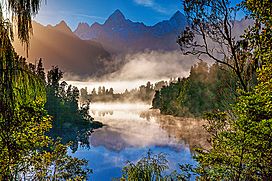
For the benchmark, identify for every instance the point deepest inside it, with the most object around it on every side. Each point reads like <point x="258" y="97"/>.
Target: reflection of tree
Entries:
<point x="167" y="131"/>
<point x="104" y="113"/>
<point x="189" y="130"/>
<point x="71" y="123"/>
<point x="74" y="131"/>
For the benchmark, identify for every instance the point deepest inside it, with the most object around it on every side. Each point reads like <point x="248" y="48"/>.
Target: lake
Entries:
<point x="130" y="131"/>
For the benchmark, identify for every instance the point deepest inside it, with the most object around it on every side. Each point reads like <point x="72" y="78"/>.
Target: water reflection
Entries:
<point x="141" y="127"/>
<point x="130" y="130"/>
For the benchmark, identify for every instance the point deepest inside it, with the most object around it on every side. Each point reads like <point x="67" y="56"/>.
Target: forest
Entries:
<point x="144" y="94"/>
<point x="234" y="95"/>
<point x="207" y="89"/>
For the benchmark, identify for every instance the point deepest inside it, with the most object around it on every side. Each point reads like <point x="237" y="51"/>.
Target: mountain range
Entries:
<point x="88" y="50"/>
<point x="58" y="45"/>
<point x="121" y="35"/>
<point x="91" y="49"/>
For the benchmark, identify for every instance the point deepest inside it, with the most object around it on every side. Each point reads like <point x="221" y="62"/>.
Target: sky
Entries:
<point x="73" y="12"/>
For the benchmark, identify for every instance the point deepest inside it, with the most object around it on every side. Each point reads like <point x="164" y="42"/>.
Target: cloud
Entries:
<point x="152" y="4"/>
<point x="148" y="3"/>
<point x="88" y="16"/>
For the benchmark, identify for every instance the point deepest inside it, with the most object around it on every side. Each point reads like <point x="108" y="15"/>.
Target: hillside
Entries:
<point x="57" y="45"/>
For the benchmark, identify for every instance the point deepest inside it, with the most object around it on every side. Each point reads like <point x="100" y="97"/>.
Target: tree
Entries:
<point x="40" y="70"/>
<point x="94" y="92"/>
<point x="241" y="142"/>
<point x="156" y="100"/>
<point x="53" y="78"/>
<point x="149" y="168"/>
<point x="21" y="13"/>
<point x="206" y="89"/>
<point x="211" y="35"/>
<point x="111" y="91"/>
<point x="23" y="120"/>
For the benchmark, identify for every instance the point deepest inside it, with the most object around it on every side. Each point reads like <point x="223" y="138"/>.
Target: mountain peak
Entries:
<point x="116" y="18"/>
<point x="118" y="13"/>
<point x="177" y="15"/>
<point x="83" y="26"/>
<point x="62" y="24"/>
<point x="63" y="27"/>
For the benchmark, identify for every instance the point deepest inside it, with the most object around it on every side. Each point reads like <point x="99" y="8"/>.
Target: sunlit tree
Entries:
<point x="23" y="120"/>
<point x="241" y="143"/>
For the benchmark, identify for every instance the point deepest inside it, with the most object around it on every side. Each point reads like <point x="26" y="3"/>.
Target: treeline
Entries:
<point x="70" y="122"/>
<point x="207" y="89"/>
<point x="27" y="152"/>
<point x="144" y="93"/>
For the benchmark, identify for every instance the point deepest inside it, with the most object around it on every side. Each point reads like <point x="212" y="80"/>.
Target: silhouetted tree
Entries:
<point x="40" y="70"/>
<point x="211" y="34"/>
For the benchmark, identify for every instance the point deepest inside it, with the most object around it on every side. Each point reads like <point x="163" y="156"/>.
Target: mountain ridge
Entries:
<point x="57" y="45"/>
<point x="120" y="35"/>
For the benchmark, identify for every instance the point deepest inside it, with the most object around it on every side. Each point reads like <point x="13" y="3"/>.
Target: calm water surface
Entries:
<point x="130" y="131"/>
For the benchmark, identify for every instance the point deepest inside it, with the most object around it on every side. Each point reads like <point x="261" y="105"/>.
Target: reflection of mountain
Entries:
<point x="130" y="129"/>
<point x="59" y="46"/>
<point x="119" y="34"/>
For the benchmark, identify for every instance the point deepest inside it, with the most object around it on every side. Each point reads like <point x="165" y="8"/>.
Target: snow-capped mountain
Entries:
<point x="121" y="35"/>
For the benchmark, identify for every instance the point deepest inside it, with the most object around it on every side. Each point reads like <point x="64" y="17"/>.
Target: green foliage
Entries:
<point x="206" y="89"/>
<point x="241" y="142"/>
<point x="55" y="164"/>
<point x="153" y="167"/>
<point x="25" y="152"/>
<point x="241" y="146"/>
<point x="148" y="168"/>
<point x="169" y="98"/>
<point x="23" y="124"/>
<point x="21" y="13"/>
<point x="69" y="122"/>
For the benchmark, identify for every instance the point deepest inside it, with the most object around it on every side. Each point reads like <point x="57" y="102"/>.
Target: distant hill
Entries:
<point x="121" y="35"/>
<point x="58" y="45"/>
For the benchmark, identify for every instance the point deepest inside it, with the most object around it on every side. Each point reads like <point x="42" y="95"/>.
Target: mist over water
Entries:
<point x="131" y="130"/>
<point x="134" y="70"/>
<point x="118" y="86"/>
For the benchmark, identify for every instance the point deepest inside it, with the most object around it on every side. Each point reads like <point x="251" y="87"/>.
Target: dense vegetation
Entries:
<point x="69" y="122"/>
<point x="27" y="153"/>
<point x="207" y="89"/>
<point x="241" y="142"/>
<point x="153" y="167"/>
<point x="241" y="132"/>
<point x="241" y="145"/>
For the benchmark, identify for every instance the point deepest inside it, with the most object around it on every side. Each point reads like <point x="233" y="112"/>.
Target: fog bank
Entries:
<point x="133" y="70"/>
<point x="153" y="65"/>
